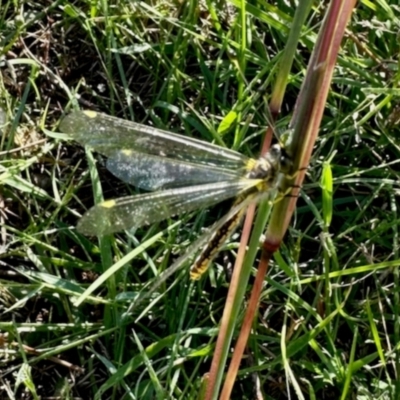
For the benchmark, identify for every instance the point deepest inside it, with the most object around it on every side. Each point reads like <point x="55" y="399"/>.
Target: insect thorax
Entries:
<point x="267" y="167"/>
<point x="265" y="170"/>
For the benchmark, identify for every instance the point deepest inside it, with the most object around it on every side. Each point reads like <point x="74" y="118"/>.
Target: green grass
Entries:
<point x="333" y="307"/>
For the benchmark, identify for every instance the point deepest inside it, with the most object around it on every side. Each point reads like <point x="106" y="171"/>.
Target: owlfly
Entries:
<point x="185" y="174"/>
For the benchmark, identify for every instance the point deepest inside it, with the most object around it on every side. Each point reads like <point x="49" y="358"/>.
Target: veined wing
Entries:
<point x="151" y="172"/>
<point x="107" y="134"/>
<point x="193" y="249"/>
<point x="144" y="209"/>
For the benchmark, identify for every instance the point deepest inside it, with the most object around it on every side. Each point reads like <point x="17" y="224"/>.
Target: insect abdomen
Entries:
<point x="203" y="261"/>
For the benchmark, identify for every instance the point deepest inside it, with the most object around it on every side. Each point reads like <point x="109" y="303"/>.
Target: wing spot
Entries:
<point x="108" y="204"/>
<point x="90" y="113"/>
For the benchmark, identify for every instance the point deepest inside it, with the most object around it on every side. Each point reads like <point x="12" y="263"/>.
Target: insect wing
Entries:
<point x="193" y="249"/>
<point x="151" y="172"/>
<point x="144" y="209"/>
<point x="108" y="135"/>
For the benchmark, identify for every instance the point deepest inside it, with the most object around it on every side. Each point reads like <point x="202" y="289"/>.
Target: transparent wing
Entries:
<point x="144" y="209"/>
<point x="107" y="134"/>
<point x="194" y="248"/>
<point x="151" y="172"/>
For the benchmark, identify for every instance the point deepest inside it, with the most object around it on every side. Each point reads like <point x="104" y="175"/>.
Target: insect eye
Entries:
<point x="275" y="151"/>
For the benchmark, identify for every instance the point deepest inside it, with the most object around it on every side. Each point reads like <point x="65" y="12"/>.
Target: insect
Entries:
<point x="185" y="174"/>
